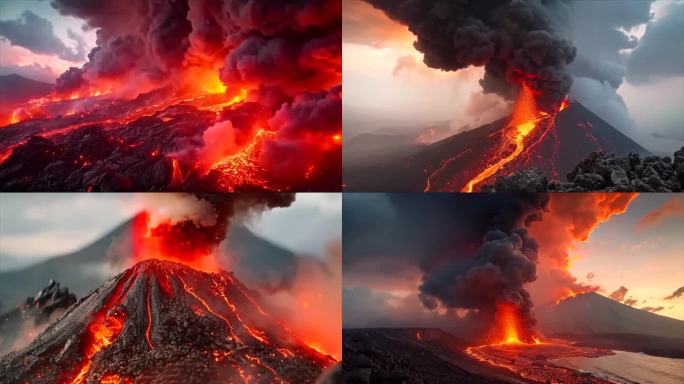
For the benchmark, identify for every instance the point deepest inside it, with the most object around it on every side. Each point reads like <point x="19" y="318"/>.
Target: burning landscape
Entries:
<point x="174" y="316"/>
<point x="188" y="95"/>
<point x="528" y="117"/>
<point x="483" y="290"/>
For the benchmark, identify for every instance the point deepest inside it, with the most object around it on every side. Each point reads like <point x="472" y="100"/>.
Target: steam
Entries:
<point x="515" y="41"/>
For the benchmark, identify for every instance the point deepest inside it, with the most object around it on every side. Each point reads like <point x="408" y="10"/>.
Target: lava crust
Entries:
<point x="163" y="322"/>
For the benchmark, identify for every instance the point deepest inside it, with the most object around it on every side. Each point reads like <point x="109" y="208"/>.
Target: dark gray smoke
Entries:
<point x="496" y="275"/>
<point x="472" y="251"/>
<point x="515" y="41"/>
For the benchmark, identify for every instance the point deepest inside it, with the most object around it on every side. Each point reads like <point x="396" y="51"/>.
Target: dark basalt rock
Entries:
<point x="162" y="322"/>
<point x="604" y="172"/>
<point x="34" y="313"/>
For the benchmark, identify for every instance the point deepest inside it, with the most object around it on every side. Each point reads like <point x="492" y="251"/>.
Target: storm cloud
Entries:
<point x="37" y="34"/>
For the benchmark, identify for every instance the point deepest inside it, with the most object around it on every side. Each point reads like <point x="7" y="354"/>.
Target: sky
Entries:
<point x="629" y="70"/>
<point x="39" y="43"/>
<point x="37" y="225"/>
<point x="392" y="243"/>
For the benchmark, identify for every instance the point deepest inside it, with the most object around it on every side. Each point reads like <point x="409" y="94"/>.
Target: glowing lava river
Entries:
<point x="203" y="139"/>
<point x="163" y="322"/>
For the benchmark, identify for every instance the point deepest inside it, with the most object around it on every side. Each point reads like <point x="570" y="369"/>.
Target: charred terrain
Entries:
<point x="420" y="355"/>
<point x="163" y="322"/>
<point x="552" y="144"/>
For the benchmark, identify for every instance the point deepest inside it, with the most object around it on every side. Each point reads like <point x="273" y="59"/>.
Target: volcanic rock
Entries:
<point x="162" y="322"/>
<point x="605" y="172"/>
<point x="35" y="312"/>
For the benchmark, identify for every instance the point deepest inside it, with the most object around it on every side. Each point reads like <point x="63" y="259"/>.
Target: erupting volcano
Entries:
<point x="190" y="95"/>
<point x="162" y="322"/>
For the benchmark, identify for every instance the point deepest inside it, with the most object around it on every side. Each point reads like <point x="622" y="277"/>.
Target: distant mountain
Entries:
<point x="595" y="320"/>
<point x="452" y="162"/>
<point x="16" y="90"/>
<point x="593" y="314"/>
<point x="258" y="261"/>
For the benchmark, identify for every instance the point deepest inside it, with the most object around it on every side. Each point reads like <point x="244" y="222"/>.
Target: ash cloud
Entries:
<point x="515" y="41"/>
<point x="36" y="34"/>
<point x="466" y="252"/>
<point x="285" y="55"/>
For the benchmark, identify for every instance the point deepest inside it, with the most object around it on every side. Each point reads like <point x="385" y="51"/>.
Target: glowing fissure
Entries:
<point x="148" y="331"/>
<point x="103" y="329"/>
<point x="428" y="182"/>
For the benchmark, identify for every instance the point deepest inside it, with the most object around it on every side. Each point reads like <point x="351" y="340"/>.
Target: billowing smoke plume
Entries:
<point x="515" y="41"/>
<point x="284" y="56"/>
<point x="473" y="252"/>
<point x="188" y="229"/>
<point x="494" y="277"/>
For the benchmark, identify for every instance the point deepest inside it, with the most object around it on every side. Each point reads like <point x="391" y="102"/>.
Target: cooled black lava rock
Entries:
<point x="162" y="322"/>
<point x="380" y="356"/>
<point x="604" y="172"/>
<point x="35" y="312"/>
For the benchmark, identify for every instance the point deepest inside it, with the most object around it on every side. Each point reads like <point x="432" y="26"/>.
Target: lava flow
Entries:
<point x="525" y="120"/>
<point x="187" y="96"/>
<point x="161" y="321"/>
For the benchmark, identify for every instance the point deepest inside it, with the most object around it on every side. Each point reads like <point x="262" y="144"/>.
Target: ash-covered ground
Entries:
<point x="604" y="172"/>
<point x="162" y="322"/>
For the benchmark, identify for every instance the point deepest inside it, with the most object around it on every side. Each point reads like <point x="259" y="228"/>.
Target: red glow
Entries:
<point x="507" y="323"/>
<point x="524" y="121"/>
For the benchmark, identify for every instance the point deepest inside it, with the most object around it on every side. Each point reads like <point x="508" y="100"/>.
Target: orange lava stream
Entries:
<point x="148" y="331"/>
<point x="525" y="118"/>
<point x="103" y="329"/>
<point x="206" y="305"/>
<point x="440" y="169"/>
<point x="241" y="168"/>
<point x="258" y="362"/>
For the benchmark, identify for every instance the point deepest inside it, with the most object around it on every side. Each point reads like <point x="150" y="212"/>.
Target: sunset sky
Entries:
<point x="384" y="76"/>
<point x="641" y="250"/>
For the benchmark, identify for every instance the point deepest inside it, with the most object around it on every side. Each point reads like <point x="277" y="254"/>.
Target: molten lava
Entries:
<point x="160" y="321"/>
<point x="525" y="119"/>
<point x="507" y="323"/>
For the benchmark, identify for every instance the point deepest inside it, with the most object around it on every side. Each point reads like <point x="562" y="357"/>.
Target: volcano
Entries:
<point x="163" y="322"/>
<point x="553" y="144"/>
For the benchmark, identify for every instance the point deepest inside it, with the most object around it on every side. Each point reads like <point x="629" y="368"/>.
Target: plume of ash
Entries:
<point x="285" y="55"/>
<point x="516" y="41"/>
<point x="187" y="228"/>
<point x="497" y="273"/>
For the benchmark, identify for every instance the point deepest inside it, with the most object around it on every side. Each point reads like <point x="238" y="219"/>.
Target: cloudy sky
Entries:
<point x="37" y="225"/>
<point x="629" y="70"/>
<point x="39" y="43"/>
<point x="391" y="242"/>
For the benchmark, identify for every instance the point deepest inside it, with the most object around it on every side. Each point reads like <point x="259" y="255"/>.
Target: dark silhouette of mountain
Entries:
<point x="84" y="270"/>
<point x="451" y="163"/>
<point x="16" y="90"/>
<point x="163" y="322"/>
<point x="595" y="320"/>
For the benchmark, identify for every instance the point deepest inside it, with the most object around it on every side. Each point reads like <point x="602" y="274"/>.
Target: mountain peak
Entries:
<point x="161" y="320"/>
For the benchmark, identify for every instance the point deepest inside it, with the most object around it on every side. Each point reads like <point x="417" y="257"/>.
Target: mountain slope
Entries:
<point x="86" y="269"/>
<point x="449" y="164"/>
<point x="593" y="314"/>
<point x="16" y="90"/>
<point x="163" y="322"/>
